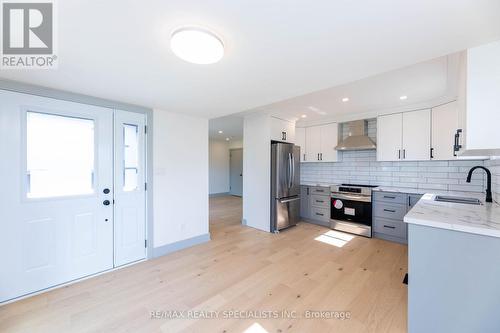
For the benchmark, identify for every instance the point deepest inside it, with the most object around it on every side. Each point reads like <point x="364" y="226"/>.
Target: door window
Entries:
<point x="131" y="157"/>
<point x="60" y="154"/>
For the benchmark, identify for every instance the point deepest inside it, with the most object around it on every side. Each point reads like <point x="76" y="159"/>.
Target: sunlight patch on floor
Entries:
<point x="256" y="328"/>
<point x="335" y="238"/>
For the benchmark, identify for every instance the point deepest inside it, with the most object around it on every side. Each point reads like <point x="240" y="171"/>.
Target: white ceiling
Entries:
<point x="119" y="49"/>
<point x="426" y="82"/>
<point x="231" y="126"/>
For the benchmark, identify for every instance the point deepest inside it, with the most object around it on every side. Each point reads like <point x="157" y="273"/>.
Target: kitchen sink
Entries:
<point x="462" y="200"/>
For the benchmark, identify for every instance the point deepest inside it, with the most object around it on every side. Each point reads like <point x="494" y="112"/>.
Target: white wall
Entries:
<point x="235" y="144"/>
<point x="180" y="164"/>
<point x="218" y="174"/>
<point x="257" y="171"/>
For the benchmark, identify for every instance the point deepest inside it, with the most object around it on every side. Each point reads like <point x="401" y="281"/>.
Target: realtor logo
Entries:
<point x="28" y="34"/>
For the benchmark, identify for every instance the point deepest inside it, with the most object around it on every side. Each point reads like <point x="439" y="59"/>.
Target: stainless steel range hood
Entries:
<point x="357" y="138"/>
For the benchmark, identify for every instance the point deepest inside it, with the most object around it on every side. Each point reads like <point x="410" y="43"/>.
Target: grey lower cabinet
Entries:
<point x="388" y="211"/>
<point x="452" y="281"/>
<point x="315" y="204"/>
<point x="305" y="205"/>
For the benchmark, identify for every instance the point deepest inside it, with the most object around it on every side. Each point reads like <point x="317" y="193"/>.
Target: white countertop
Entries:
<point x="314" y="184"/>
<point x="475" y="219"/>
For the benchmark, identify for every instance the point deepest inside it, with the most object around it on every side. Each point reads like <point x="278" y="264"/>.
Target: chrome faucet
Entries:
<point x="488" y="181"/>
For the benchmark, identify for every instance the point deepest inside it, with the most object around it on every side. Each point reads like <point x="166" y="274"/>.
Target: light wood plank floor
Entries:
<point x="241" y="269"/>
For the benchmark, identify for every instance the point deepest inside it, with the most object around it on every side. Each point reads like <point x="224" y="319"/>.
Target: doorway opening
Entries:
<point x="225" y="173"/>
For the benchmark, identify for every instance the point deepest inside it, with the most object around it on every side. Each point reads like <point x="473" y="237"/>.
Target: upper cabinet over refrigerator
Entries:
<point x="282" y="130"/>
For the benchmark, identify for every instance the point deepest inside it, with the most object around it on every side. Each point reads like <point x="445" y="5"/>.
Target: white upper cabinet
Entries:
<point x="479" y="101"/>
<point x="313" y="143"/>
<point x="300" y="140"/>
<point x="404" y="136"/>
<point x="282" y="130"/>
<point x="329" y="140"/>
<point x="416" y="135"/>
<point x="321" y="142"/>
<point x="444" y="127"/>
<point x="389" y="135"/>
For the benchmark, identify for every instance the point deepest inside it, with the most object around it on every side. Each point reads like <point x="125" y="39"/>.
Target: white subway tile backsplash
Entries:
<point x="362" y="167"/>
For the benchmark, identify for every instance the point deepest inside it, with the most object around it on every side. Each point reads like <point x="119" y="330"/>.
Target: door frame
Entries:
<point x="25" y="88"/>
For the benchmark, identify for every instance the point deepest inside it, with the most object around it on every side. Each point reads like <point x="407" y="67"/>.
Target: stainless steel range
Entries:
<point x="351" y="208"/>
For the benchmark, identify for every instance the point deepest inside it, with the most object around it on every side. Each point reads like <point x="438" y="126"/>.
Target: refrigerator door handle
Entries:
<point x="289" y="170"/>
<point x="288" y="200"/>
<point x="293" y="171"/>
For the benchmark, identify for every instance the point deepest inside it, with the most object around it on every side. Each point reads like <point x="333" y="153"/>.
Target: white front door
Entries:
<point x="72" y="196"/>
<point x="57" y="220"/>
<point x="130" y="192"/>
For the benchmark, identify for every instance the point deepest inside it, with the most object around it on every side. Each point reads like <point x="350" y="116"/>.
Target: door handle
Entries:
<point x="106" y="191"/>
<point x="106" y="202"/>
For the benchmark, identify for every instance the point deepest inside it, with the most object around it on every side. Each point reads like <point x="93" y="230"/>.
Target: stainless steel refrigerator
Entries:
<point x="285" y="185"/>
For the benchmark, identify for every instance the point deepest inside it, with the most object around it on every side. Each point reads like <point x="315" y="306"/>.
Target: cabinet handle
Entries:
<point x="308" y="191"/>
<point x="318" y="156"/>
<point x="320" y="214"/>
<point x="320" y="191"/>
<point x="321" y="156"/>
<point x="457" y="146"/>
<point x="432" y="153"/>
<point x="389" y="226"/>
<point x="304" y="157"/>
<point x="404" y="153"/>
<point x="285" y="135"/>
<point x="399" y="154"/>
<point x="389" y="210"/>
<point x="320" y="201"/>
<point x="389" y="197"/>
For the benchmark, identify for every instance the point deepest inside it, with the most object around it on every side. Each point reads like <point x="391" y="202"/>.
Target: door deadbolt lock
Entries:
<point x="106" y="202"/>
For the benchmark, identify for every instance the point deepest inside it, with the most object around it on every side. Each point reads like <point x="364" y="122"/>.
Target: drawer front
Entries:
<point x="391" y="228"/>
<point x="388" y="211"/>
<point x="320" y="190"/>
<point x="320" y="214"/>
<point x="399" y="198"/>
<point x="320" y="201"/>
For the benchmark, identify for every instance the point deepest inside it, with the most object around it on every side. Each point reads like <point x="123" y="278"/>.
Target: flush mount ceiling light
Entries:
<point x="220" y="132"/>
<point x="197" y="45"/>
<point x="403" y="97"/>
<point x="345" y="99"/>
<point x="304" y="116"/>
<point x="227" y="139"/>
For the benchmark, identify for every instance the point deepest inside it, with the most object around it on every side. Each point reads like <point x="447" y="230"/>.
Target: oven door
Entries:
<point x="352" y="208"/>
